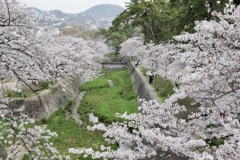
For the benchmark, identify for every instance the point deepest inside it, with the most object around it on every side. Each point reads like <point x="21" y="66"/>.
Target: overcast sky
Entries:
<point x="70" y="6"/>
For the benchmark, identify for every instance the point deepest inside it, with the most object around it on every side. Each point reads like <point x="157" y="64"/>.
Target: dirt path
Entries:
<point x="75" y="104"/>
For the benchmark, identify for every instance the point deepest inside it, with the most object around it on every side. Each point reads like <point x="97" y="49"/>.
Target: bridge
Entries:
<point x="114" y="65"/>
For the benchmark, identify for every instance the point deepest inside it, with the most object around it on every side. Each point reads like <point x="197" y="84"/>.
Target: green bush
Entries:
<point x="113" y="57"/>
<point x="68" y="106"/>
<point x="26" y="157"/>
<point x="163" y="87"/>
<point x="44" y="121"/>
<point x="216" y="142"/>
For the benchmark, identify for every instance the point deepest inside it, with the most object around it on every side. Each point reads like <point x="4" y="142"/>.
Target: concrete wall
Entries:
<point x="51" y="99"/>
<point x="140" y="85"/>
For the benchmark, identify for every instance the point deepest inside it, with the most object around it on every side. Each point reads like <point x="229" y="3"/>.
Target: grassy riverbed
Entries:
<point x="103" y="101"/>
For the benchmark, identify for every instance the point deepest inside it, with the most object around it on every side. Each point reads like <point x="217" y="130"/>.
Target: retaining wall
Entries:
<point x="141" y="87"/>
<point x="51" y="99"/>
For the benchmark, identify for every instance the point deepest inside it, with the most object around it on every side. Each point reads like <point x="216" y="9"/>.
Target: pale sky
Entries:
<point x="70" y="6"/>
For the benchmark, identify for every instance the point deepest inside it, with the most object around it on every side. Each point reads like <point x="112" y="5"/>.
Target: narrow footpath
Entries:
<point x="141" y="87"/>
<point x="148" y="87"/>
<point x="75" y="104"/>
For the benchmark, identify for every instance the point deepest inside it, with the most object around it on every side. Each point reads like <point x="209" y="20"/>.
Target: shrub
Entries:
<point x="68" y="106"/>
<point x="163" y="87"/>
<point x="26" y="157"/>
<point x="216" y="142"/>
<point x="44" y="121"/>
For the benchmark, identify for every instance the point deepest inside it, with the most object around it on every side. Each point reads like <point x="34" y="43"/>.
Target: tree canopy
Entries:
<point x="160" y="20"/>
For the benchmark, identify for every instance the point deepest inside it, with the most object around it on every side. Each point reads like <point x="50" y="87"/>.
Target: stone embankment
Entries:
<point x="51" y="99"/>
<point x="141" y="87"/>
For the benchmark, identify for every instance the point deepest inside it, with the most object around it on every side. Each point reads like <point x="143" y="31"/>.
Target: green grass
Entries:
<point x="16" y="94"/>
<point x="54" y="90"/>
<point x="104" y="101"/>
<point x="26" y="157"/>
<point x="162" y="86"/>
<point x="44" y="121"/>
<point x="70" y="135"/>
<point x="26" y="92"/>
<point x="97" y="83"/>
<point x="68" y="106"/>
<point x="43" y="85"/>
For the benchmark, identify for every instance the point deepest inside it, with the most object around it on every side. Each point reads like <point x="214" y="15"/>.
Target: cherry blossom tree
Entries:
<point x="25" y="55"/>
<point x="22" y="59"/>
<point x="68" y="54"/>
<point x="134" y="48"/>
<point x="18" y="53"/>
<point x="159" y="58"/>
<point x="209" y="74"/>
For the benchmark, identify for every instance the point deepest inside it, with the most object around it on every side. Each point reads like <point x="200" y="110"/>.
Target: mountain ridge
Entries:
<point x="107" y="10"/>
<point x="99" y="16"/>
